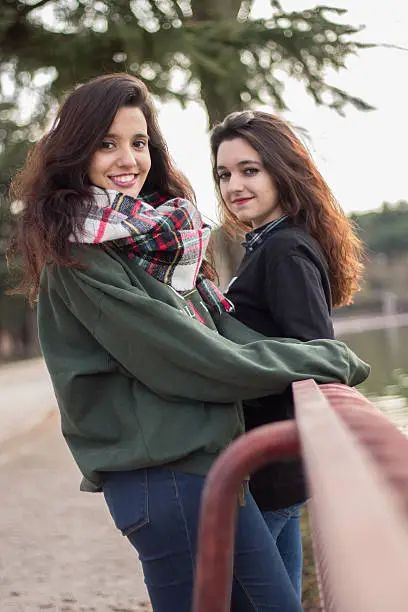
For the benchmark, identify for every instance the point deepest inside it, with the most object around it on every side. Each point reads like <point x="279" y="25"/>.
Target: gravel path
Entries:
<point x="59" y="549"/>
<point x="26" y="397"/>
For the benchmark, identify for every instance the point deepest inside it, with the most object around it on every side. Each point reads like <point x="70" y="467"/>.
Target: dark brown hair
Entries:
<point x="303" y="195"/>
<point x="54" y="183"/>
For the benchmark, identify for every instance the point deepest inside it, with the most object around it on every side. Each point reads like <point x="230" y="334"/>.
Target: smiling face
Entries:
<point x="246" y="187"/>
<point x="122" y="161"/>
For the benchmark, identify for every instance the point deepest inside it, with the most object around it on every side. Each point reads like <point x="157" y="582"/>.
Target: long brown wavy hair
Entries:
<point x="303" y="195"/>
<point x="54" y="182"/>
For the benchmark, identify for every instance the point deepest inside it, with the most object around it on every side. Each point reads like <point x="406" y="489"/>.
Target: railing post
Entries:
<point x="356" y="465"/>
<point x="212" y="590"/>
<point x="359" y="523"/>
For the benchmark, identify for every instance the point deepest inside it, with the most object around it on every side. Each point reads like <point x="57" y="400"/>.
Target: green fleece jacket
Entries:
<point x="140" y="382"/>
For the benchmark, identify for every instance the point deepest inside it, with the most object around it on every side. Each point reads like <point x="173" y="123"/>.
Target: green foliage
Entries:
<point x="11" y="310"/>
<point x="209" y="50"/>
<point x="310" y="589"/>
<point x="188" y="50"/>
<point x="385" y="231"/>
<point x="5" y="230"/>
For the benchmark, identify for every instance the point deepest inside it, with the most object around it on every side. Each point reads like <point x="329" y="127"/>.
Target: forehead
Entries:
<point x="235" y="151"/>
<point x="129" y="119"/>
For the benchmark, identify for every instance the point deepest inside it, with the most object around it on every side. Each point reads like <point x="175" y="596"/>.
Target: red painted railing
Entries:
<point x="357" y="469"/>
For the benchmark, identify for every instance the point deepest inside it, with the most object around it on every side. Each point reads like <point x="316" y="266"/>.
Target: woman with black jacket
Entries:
<point x="301" y="258"/>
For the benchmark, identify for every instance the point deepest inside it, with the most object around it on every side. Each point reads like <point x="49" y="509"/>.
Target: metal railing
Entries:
<point x="356" y="464"/>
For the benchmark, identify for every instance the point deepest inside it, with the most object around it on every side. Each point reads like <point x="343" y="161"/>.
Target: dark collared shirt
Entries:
<point x="258" y="235"/>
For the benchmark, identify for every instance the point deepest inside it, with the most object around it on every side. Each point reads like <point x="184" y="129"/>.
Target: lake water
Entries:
<point x="386" y="350"/>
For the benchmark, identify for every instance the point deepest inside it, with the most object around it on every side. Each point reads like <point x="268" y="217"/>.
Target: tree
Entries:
<point x="5" y="228"/>
<point x="186" y="49"/>
<point x="385" y="231"/>
<point x="208" y="50"/>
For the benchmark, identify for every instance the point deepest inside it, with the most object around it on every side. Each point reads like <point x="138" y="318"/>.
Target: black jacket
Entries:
<point x="282" y="289"/>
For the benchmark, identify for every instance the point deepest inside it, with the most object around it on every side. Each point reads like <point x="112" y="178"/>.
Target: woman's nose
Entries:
<point x="126" y="157"/>
<point x="235" y="184"/>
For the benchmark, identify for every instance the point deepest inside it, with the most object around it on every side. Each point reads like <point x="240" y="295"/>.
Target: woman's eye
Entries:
<point x="224" y="176"/>
<point x="106" y="145"/>
<point x="251" y="171"/>
<point x="139" y="144"/>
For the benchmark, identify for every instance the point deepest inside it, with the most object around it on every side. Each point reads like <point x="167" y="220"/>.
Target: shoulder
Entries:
<point x="292" y="241"/>
<point x="93" y="264"/>
<point x="288" y="237"/>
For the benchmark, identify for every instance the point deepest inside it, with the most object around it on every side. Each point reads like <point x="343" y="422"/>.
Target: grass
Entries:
<point x="310" y="595"/>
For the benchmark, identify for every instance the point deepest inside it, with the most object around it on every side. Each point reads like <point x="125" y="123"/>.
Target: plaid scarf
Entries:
<point x="167" y="238"/>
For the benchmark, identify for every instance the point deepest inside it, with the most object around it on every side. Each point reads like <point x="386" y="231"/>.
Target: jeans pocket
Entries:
<point x="127" y="497"/>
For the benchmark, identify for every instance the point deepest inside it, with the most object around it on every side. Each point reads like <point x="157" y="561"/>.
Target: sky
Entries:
<point x="363" y="155"/>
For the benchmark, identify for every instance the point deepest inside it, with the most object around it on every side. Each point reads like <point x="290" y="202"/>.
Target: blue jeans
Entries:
<point x="158" y="509"/>
<point x="284" y="526"/>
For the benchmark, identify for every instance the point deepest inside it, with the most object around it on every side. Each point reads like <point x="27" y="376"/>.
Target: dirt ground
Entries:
<point x="59" y="549"/>
<point x="26" y="397"/>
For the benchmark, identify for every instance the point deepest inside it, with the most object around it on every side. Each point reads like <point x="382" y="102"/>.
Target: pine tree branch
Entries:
<point x="179" y="11"/>
<point x="214" y="42"/>
<point x="391" y="46"/>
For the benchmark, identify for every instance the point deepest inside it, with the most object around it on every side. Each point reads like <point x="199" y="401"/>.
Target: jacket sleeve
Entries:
<point x="178" y="357"/>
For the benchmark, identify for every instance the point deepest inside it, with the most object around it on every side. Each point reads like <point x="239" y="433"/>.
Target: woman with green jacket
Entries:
<point x="148" y="367"/>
